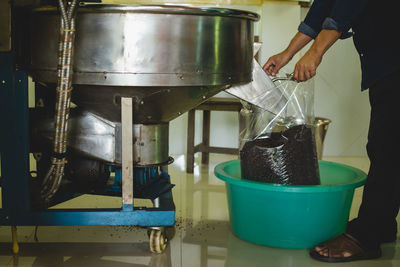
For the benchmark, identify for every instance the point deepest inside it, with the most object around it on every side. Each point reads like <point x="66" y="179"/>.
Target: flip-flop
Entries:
<point x="341" y="244"/>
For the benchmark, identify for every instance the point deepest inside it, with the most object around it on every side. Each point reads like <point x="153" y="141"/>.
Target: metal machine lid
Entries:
<point x="162" y="9"/>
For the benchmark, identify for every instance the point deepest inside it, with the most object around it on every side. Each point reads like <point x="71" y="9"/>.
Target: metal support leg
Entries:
<point x="15" y="246"/>
<point x="242" y="128"/>
<point x="190" y="142"/>
<point x="206" y="136"/>
<point x="156" y="202"/>
<point x="127" y="153"/>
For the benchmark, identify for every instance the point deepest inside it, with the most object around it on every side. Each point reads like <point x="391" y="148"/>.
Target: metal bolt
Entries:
<point x="40" y="103"/>
<point x="37" y="156"/>
<point x="3" y="81"/>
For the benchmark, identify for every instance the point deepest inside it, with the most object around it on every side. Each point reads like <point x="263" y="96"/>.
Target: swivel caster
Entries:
<point x="158" y="241"/>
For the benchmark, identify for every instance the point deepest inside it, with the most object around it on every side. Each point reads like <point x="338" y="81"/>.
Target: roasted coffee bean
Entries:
<point x="287" y="157"/>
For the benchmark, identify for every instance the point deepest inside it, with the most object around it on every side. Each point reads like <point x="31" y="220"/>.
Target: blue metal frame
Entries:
<point x="14" y="151"/>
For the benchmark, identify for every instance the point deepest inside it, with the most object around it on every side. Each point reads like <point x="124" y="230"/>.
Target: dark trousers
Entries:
<point x="376" y="221"/>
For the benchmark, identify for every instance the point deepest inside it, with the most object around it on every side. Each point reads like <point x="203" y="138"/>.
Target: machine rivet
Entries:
<point x="141" y="102"/>
<point x="19" y="81"/>
<point x="204" y="97"/>
<point x="3" y="81"/>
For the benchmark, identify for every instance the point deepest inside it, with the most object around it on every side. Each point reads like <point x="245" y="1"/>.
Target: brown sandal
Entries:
<point x="342" y="244"/>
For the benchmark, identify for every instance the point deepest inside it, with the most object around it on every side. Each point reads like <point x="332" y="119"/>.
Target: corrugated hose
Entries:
<point x="53" y="178"/>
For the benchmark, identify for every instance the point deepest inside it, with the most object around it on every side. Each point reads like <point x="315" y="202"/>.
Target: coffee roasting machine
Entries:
<point x="108" y="80"/>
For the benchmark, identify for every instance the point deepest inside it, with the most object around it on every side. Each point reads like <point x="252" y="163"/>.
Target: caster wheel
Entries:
<point x="158" y="242"/>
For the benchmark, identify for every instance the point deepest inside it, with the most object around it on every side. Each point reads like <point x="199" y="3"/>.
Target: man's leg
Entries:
<point x="376" y="221"/>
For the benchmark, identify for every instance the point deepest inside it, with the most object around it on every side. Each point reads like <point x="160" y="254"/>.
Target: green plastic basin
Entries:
<point x="290" y="216"/>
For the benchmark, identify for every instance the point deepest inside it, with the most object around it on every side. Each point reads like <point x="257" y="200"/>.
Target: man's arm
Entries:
<point x="337" y="25"/>
<point x="275" y="63"/>
<point x="306" y="67"/>
<point x="326" y="21"/>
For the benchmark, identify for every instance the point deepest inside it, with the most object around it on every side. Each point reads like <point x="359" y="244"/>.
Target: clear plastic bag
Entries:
<point x="280" y="148"/>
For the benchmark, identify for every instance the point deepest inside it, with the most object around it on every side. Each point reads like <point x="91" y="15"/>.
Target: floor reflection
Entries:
<point x="85" y="254"/>
<point x="201" y="237"/>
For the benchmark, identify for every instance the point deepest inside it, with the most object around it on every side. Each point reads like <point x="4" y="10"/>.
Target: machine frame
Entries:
<point x="15" y="175"/>
<point x="15" y="167"/>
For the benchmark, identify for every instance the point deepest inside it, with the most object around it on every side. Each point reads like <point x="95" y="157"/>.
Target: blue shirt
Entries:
<point x="374" y="27"/>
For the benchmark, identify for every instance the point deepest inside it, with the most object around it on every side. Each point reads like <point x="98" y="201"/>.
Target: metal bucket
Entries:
<point x="321" y="127"/>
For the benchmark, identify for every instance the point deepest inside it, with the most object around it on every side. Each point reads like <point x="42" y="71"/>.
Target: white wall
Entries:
<point x="224" y="130"/>
<point x="338" y="97"/>
<point x="337" y="89"/>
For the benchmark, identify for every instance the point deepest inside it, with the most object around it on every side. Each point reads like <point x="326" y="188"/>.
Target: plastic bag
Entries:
<point x="280" y="148"/>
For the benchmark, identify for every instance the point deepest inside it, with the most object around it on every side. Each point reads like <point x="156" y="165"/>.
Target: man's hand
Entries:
<point x="306" y="67"/>
<point x="276" y="62"/>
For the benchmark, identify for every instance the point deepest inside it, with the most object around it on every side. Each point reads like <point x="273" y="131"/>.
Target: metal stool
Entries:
<point x="213" y="104"/>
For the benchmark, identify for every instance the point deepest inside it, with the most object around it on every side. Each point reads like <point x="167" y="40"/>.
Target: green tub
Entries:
<point x="290" y="216"/>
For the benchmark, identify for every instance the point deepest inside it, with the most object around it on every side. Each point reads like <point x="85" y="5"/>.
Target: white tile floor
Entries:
<point x="202" y="233"/>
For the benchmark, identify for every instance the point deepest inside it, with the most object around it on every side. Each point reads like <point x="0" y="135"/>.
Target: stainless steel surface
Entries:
<point x="172" y="9"/>
<point x="94" y="136"/>
<point x="127" y="151"/>
<point x="150" y="144"/>
<point x="256" y="47"/>
<point x="151" y="104"/>
<point x="148" y="46"/>
<point x="289" y="77"/>
<point x="89" y="134"/>
<point x="101" y="139"/>
<point x="169" y="59"/>
<point x="156" y="202"/>
<point x="321" y="127"/>
<point x="5" y="26"/>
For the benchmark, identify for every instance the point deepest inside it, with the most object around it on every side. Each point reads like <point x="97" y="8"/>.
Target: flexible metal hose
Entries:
<point x="53" y="178"/>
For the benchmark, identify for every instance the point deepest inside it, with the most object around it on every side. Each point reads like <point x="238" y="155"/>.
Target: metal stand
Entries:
<point x="213" y="104"/>
<point x="127" y="153"/>
<point x="15" y="178"/>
